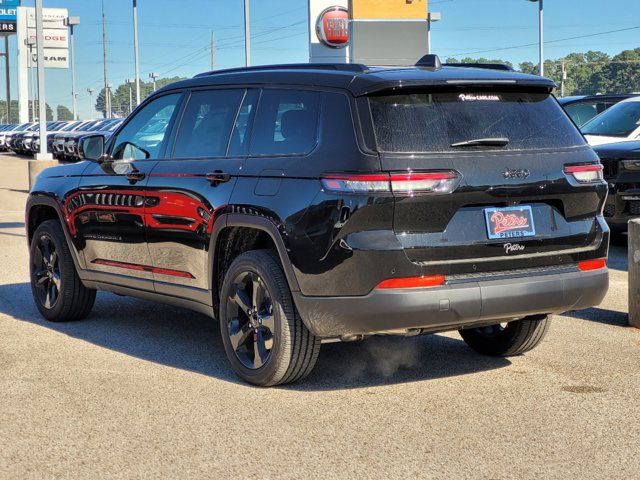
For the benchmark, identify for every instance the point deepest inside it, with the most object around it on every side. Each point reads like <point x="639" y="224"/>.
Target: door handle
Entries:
<point x="217" y="177"/>
<point x="134" y="177"/>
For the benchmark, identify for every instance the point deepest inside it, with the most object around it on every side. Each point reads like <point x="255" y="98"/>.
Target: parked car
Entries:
<point x="620" y="123"/>
<point x="27" y="140"/>
<point x="7" y="137"/>
<point x="621" y="163"/>
<point x="61" y="139"/>
<point x="64" y="127"/>
<point x="582" y="108"/>
<point x="308" y="203"/>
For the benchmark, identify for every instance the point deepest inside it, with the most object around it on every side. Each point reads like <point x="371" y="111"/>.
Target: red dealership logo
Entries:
<point x="332" y="27"/>
<point x="506" y="222"/>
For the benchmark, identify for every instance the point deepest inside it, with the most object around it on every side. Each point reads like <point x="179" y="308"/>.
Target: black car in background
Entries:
<point x="582" y="108"/>
<point x="301" y="204"/>
<point x="621" y="163"/>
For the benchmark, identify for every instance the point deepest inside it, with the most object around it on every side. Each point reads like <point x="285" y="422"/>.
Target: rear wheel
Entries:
<point x="264" y="338"/>
<point x="57" y="290"/>
<point x="507" y="339"/>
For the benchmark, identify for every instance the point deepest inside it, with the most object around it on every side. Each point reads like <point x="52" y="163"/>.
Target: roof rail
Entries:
<point x="343" y="67"/>
<point x="486" y="66"/>
<point x="430" y="61"/>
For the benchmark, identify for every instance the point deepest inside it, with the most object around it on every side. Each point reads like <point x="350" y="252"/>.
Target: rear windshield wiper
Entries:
<point x="482" y="142"/>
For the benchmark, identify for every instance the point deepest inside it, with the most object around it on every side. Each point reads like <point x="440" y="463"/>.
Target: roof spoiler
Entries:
<point x="486" y="66"/>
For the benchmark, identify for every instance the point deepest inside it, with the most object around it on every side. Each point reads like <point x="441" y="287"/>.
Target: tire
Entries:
<point x="516" y="338"/>
<point x="69" y="299"/>
<point x="252" y="322"/>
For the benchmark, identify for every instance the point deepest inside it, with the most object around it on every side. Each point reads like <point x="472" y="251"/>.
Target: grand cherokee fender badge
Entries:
<point x="513" y="247"/>
<point x="521" y="173"/>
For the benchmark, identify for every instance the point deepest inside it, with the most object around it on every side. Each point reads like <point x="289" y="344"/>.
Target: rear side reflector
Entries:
<point x="585" y="173"/>
<point x="401" y="183"/>
<point x="596" y="264"/>
<point x="411" y="282"/>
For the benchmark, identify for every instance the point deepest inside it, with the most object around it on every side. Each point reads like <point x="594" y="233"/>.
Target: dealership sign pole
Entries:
<point x="43" y="155"/>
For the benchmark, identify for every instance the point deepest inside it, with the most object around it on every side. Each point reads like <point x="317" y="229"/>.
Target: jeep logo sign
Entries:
<point x="332" y="27"/>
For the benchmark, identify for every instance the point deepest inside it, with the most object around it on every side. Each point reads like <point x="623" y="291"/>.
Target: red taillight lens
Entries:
<point x="585" y="173"/>
<point x="402" y="183"/>
<point x="411" y="282"/>
<point x="596" y="264"/>
<point x="357" y="183"/>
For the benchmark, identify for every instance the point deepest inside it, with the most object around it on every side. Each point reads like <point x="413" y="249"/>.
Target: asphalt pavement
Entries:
<point x="142" y="390"/>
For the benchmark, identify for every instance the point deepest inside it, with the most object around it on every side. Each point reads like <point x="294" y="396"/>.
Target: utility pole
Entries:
<point x="130" y="82"/>
<point x="247" y="34"/>
<point x="72" y="22"/>
<point x="154" y="77"/>
<point x="91" y="110"/>
<point x="563" y="78"/>
<point x="107" y="95"/>
<point x="43" y="155"/>
<point x="213" y="56"/>
<point x="136" y="55"/>
<point x="7" y="76"/>
<point x="541" y="33"/>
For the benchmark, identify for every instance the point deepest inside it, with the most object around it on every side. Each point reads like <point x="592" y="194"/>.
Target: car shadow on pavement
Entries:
<point x="618" y="258"/>
<point x="190" y="341"/>
<point x="601" y="315"/>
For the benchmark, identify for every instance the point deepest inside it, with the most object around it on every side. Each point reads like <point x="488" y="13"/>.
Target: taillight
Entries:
<point x="591" y="173"/>
<point x="595" y="264"/>
<point x="411" y="282"/>
<point x="402" y="183"/>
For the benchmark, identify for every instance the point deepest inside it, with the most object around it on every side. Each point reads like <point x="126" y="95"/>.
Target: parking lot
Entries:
<point x="145" y="390"/>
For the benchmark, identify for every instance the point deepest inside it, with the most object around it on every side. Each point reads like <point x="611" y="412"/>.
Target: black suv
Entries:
<point x="306" y="203"/>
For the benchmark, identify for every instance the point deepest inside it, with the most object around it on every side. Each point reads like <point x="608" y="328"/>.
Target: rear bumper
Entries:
<point x="453" y="306"/>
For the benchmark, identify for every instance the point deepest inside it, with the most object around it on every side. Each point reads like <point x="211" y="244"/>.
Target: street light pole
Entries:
<point x="247" y="34"/>
<point x="72" y="22"/>
<point x="541" y="34"/>
<point x="43" y="155"/>
<point x="91" y="109"/>
<point x="129" y="82"/>
<point x="154" y="77"/>
<point x="136" y="56"/>
<point x="107" y="96"/>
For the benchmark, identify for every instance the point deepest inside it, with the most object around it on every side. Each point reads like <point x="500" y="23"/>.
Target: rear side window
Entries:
<point x="286" y="123"/>
<point x="206" y="124"/>
<point x="621" y="120"/>
<point x="434" y="122"/>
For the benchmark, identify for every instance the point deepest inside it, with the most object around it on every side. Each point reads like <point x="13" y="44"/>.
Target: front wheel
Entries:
<point x="264" y="338"/>
<point x="57" y="290"/>
<point x="505" y="340"/>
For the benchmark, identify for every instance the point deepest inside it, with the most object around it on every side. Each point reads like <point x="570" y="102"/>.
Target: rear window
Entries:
<point x="433" y="122"/>
<point x="621" y="120"/>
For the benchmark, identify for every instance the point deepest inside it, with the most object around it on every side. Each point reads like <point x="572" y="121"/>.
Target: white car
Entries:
<point x="620" y="123"/>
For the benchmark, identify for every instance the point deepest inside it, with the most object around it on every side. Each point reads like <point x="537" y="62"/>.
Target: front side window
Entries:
<point x="286" y="123"/>
<point x="144" y="135"/>
<point x="207" y="122"/>
<point x="455" y="121"/>
<point x="621" y="120"/>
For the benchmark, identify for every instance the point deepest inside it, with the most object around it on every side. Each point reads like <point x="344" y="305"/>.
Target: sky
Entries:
<point x="175" y="35"/>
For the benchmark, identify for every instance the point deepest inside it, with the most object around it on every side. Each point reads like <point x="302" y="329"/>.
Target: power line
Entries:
<point x="513" y="47"/>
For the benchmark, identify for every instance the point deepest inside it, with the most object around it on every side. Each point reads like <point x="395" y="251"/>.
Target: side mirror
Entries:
<point x="91" y="147"/>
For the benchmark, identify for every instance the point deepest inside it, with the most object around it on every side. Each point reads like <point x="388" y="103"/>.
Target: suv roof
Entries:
<point x="361" y="79"/>
<point x="604" y="96"/>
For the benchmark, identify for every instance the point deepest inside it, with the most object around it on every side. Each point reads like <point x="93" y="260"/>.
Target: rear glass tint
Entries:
<point x="433" y="122"/>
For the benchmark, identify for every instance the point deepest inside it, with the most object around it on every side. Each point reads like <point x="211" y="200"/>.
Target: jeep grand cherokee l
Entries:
<point x="306" y="203"/>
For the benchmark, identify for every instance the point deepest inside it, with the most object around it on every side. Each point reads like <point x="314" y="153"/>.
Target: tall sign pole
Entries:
<point x="107" y="95"/>
<point x="7" y="73"/>
<point x="43" y="155"/>
<point x="71" y="22"/>
<point x="247" y="34"/>
<point x="136" y="54"/>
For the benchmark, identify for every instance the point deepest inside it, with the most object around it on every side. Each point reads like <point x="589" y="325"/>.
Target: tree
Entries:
<point x="63" y="113"/>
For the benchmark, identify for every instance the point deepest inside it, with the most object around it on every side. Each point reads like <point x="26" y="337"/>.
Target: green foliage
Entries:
<point x="587" y="73"/>
<point x="120" y="96"/>
<point x="63" y="113"/>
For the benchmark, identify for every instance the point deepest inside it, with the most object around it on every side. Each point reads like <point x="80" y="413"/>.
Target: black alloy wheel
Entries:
<point x="265" y="340"/>
<point x="46" y="272"/>
<point x="251" y="323"/>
